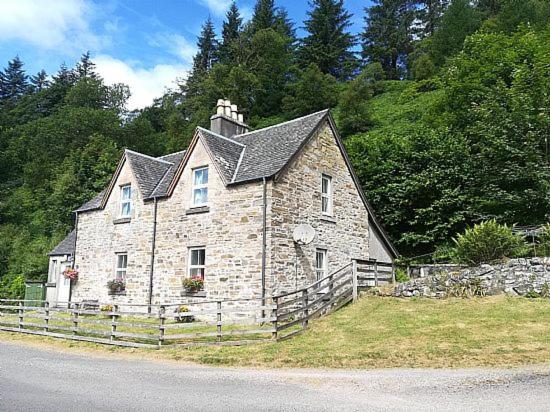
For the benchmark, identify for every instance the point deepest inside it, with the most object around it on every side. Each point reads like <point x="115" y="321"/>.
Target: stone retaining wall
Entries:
<point x="515" y="277"/>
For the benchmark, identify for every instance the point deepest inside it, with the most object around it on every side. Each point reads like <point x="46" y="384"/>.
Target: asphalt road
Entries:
<point x="43" y="380"/>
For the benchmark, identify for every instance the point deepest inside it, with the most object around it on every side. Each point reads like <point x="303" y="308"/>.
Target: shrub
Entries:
<point x="544" y="241"/>
<point x="486" y="242"/>
<point x="401" y="275"/>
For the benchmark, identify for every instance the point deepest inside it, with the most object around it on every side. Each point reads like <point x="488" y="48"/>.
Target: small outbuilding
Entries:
<point x="58" y="287"/>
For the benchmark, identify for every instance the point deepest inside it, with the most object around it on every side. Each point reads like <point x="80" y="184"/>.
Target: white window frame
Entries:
<point x="191" y="266"/>
<point x="327" y="195"/>
<point x="125" y="200"/>
<point x="120" y="271"/>
<point x="321" y="272"/>
<point x="199" y="186"/>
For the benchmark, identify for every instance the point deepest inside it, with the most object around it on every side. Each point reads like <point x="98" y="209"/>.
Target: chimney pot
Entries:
<point x="234" y="111"/>
<point x="227" y="104"/>
<point x="220" y="107"/>
<point x="241" y="118"/>
<point x="227" y="121"/>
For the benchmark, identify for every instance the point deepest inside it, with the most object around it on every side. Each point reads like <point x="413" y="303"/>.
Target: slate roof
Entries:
<point x="92" y="204"/>
<point x="164" y="182"/>
<point x="226" y="152"/>
<point x="268" y="150"/>
<point x="66" y="246"/>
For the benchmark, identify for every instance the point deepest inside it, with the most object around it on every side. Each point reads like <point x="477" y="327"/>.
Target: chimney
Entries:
<point x="227" y="121"/>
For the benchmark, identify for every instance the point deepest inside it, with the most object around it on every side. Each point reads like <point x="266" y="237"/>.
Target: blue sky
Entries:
<point x="146" y="44"/>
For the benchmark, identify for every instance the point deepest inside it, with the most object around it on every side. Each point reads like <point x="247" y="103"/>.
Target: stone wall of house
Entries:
<point x="230" y="231"/>
<point x="99" y="239"/>
<point x="515" y="277"/>
<point x="295" y="198"/>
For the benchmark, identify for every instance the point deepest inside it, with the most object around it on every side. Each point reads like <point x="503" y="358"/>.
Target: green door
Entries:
<point x="35" y="294"/>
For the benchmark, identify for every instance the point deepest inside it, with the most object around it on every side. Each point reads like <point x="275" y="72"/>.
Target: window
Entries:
<point x="321" y="263"/>
<point x="197" y="265"/>
<point x="125" y="201"/>
<point x="326" y="195"/>
<point x="121" y="264"/>
<point x="200" y="187"/>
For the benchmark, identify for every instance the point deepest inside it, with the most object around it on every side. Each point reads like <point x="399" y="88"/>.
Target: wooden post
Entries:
<point x="21" y="314"/>
<point x="219" y="319"/>
<point x="375" y="273"/>
<point x="305" y="301"/>
<point x="392" y="272"/>
<point x="274" y="313"/>
<point x="354" y="279"/>
<point x="113" y="323"/>
<point x="162" y="311"/>
<point x="408" y="271"/>
<point x="75" y="318"/>
<point x="46" y="316"/>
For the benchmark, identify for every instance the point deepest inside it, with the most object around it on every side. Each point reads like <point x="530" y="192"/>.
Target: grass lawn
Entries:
<point x="381" y="332"/>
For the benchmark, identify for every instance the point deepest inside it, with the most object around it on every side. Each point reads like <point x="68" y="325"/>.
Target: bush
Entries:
<point x="401" y="276"/>
<point x="486" y="242"/>
<point x="544" y="241"/>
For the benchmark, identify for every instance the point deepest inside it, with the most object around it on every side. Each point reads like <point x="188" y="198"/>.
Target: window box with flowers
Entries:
<point x="193" y="285"/>
<point x="116" y="287"/>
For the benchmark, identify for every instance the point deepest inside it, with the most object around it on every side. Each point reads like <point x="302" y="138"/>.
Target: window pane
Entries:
<point x="122" y="261"/>
<point x="201" y="177"/>
<point x="325" y="185"/>
<point x="126" y="192"/>
<point x="194" y="257"/>
<point x="126" y="209"/>
<point x="200" y="196"/>
<point x="324" y="201"/>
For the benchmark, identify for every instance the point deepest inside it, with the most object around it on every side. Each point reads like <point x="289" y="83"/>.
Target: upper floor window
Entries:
<point x="197" y="262"/>
<point x="326" y="195"/>
<point x="200" y="186"/>
<point x="125" y="201"/>
<point x="121" y="264"/>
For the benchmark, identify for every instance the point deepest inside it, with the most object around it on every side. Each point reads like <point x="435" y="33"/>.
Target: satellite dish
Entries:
<point x="303" y="234"/>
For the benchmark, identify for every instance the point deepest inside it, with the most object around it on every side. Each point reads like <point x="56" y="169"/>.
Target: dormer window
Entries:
<point x="125" y="201"/>
<point x="326" y="195"/>
<point x="200" y="187"/>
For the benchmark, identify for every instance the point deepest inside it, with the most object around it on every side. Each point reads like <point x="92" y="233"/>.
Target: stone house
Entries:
<point x="225" y="210"/>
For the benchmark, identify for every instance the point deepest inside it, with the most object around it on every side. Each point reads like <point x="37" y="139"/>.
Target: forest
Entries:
<point x="443" y="106"/>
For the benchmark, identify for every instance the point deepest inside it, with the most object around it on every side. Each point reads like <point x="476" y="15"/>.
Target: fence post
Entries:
<point x="305" y="301"/>
<point x="274" y="314"/>
<point x="354" y="279"/>
<point x="75" y="318"/>
<point x="392" y="272"/>
<point x="113" y="323"/>
<point x="162" y="311"/>
<point x="219" y="320"/>
<point x="376" y="273"/>
<point x="21" y="315"/>
<point x="46" y="315"/>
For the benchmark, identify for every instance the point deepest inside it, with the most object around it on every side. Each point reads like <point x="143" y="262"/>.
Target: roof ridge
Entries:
<point x="170" y="154"/>
<point x="148" y="157"/>
<point x="202" y="129"/>
<point x="283" y="123"/>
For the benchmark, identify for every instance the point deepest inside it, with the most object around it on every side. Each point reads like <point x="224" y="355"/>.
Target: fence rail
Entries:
<point x="213" y="322"/>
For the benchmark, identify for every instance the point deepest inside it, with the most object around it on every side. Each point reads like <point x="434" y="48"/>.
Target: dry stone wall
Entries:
<point x="524" y="277"/>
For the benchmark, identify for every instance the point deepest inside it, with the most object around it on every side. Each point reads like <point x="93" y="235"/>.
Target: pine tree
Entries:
<point x="329" y="43"/>
<point x="231" y="31"/>
<point x="39" y="81"/>
<point x="388" y="35"/>
<point x="64" y="76"/>
<point x="267" y="16"/>
<point x="207" y="54"/>
<point x="13" y="82"/>
<point x="430" y="14"/>
<point x="85" y="68"/>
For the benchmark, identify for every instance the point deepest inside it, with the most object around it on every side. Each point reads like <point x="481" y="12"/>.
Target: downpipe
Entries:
<point x="152" y="266"/>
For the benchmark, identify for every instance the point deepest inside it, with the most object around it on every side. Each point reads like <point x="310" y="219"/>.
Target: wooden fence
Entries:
<point x="371" y="273"/>
<point x="221" y="322"/>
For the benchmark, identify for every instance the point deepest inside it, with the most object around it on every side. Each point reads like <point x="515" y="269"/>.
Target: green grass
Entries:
<point x="379" y="332"/>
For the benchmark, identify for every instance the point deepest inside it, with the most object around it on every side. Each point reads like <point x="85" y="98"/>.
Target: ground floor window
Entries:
<point x="321" y="263"/>
<point x="121" y="264"/>
<point x="197" y="259"/>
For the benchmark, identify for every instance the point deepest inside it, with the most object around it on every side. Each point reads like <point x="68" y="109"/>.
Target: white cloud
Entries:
<point x="218" y="7"/>
<point x="145" y="84"/>
<point x="49" y="25"/>
<point x="174" y="43"/>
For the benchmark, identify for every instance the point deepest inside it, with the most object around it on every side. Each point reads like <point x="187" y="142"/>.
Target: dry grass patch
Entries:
<point x="388" y="332"/>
